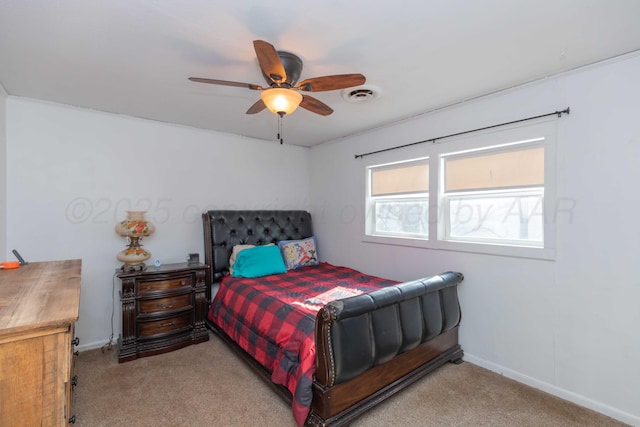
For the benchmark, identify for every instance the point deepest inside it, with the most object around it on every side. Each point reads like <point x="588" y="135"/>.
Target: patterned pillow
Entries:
<point x="299" y="253"/>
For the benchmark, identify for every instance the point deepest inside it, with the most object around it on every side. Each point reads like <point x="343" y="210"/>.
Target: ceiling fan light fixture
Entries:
<point x="280" y="100"/>
<point x="281" y="70"/>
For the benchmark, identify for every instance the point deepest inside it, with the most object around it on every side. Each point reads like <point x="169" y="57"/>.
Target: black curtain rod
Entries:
<point x="433" y="140"/>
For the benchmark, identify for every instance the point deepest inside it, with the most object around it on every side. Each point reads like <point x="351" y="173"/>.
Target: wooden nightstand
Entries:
<point x="163" y="309"/>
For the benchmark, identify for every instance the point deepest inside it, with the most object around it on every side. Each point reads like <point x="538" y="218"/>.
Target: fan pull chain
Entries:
<point x="280" y="135"/>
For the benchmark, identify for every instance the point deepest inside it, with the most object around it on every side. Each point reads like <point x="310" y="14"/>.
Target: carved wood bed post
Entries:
<point x="324" y="355"/>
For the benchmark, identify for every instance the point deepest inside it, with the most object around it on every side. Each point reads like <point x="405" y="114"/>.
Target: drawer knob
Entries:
<point x="75" y="341"/>
<point x="183" y="282"/>
<point x="163" y="325"/>
<point x="173" y="303"/>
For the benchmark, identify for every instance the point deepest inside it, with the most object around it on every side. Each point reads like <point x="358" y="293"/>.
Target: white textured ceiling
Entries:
<point x="133" y="57"/>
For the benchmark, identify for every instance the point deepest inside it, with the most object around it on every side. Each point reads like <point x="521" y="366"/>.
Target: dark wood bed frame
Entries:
<point x="336" y="401"/>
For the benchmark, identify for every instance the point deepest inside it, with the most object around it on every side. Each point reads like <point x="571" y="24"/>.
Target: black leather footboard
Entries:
<point x="367" y="330"/>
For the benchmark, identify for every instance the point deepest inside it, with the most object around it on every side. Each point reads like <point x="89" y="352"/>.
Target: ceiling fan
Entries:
<point x="281" y="71"/>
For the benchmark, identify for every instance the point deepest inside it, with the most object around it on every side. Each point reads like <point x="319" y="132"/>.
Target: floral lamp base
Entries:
<point x="134" y="256"/>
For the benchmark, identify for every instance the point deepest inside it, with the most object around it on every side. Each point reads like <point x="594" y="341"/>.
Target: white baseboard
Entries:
<point x="607" y="410"/>
<point x="97" y="344"/>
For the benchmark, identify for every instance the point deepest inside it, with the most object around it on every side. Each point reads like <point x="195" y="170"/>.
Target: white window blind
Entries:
<point x="513" y="168"/>
<point x="398" y="179"/>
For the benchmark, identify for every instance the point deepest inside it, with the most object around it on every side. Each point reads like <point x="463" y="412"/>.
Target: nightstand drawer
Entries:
<point x="165" y="326"/>
<point x="163" y="285"/>
<point x="164" y="304"/>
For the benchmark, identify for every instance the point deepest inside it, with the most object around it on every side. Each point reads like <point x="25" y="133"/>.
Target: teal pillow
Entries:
<point x="259" y="261"/>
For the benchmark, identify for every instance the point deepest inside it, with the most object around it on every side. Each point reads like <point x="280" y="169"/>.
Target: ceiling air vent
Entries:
<point x="361" y="94"/>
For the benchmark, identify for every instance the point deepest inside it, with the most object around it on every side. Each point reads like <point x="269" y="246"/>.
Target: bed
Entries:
<point x="341" y="341"/>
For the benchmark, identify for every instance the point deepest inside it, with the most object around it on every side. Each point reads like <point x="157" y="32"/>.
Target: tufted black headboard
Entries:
<point x="223" y="229"/>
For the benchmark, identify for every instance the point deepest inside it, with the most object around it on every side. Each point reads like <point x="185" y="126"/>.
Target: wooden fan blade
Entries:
<point x="226" y="83"/>
<point x="339" y="81"/>
<point x="315" y="106"/>
<point x="269" y="61"/>
<point x="257" y="107"/>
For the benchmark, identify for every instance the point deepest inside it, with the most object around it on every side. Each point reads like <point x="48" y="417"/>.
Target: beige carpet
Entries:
<point x="207" y="385"/>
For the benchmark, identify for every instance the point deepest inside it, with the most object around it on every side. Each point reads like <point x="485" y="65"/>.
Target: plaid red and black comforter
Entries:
<point x="273" y="318"/>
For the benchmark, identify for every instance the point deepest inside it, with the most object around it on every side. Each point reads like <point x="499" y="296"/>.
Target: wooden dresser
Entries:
<point x="163" y="309"/>
<point x="38" y="309"/>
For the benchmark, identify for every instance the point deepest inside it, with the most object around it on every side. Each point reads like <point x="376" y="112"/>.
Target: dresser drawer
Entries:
<point x="164" y="304"/>
<point x="164" y="285"/>
<point x="165" y="326"/>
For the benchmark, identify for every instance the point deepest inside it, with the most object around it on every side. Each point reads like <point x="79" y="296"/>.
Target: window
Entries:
<point x="398" y="199"/>
<point x="494" y="195"/>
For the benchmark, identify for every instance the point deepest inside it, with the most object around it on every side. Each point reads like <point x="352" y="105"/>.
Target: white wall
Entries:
<point x="72" y="173"/>
<point x="3" y="174"/>
<point x="570" y="326"/>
